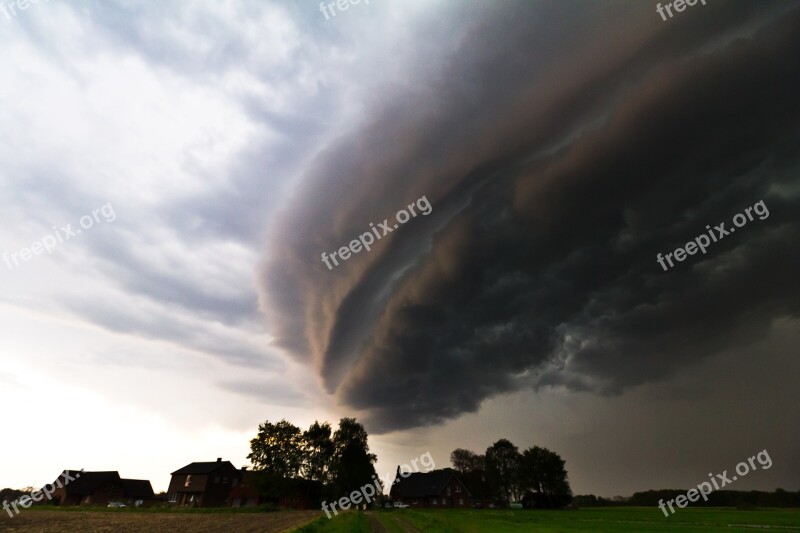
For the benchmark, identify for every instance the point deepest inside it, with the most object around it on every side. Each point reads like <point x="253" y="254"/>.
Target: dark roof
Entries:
<point x="137" y="489"/>
<point x="88" y="482"/>
<point x="203" y="468"/>
<point x="423" y="484"/>
<point x="476" y="484"/>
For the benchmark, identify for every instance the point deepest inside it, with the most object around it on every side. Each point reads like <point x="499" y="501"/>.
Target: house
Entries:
<point x="435" y="489"/>
<point x="203" y="484"/>
<point x="480" y="491"/>
<point x="246" y="492"/>
<point x="137" y="492"/>
<point x="301" y="494"/>
<point x="100" y="488"/>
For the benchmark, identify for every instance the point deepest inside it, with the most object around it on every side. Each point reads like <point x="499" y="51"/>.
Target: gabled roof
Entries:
<point x="88" y="482"/>
<point x="138" y="489"/>
<point x="197" y="469"/>
<point x="423" y="484"/>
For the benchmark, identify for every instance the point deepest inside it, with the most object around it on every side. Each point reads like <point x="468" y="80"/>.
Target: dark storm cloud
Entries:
<point x="562" y="147"/>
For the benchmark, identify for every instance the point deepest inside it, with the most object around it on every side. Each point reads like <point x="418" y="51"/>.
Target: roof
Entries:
<point x="203" y="468"/>
<point x="476" y="484"/>
<point x="423" y="484"/>
<point x="88" y="482"/>
<point x="139" y="489"/>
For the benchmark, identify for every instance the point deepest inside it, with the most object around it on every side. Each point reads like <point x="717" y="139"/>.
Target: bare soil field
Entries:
<point x="123" y="522"/>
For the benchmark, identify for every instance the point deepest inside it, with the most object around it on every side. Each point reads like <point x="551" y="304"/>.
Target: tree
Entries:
<point x="353" y="465"/>
<point x="318" y="452"/>
<point x="542" y="471"/>
<point x="502" y="469"/>
<point x="277" y="450"/>
<point x="465" y="461"/>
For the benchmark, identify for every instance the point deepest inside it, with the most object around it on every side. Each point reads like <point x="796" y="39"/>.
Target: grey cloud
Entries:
<point x="560" y="155"/>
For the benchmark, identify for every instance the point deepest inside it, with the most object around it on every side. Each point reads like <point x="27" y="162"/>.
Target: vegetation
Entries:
<point x="720" y="498"/>
<point x="347" y="522"/>
<point x="537" y="475"/>
<point x="622" y="519"/>
<point x="322" y="465"/>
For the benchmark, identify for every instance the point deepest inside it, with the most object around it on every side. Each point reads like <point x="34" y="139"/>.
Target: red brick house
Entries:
<point x="245" y="493"/>
<point x="100" y="488"/>
<point x="439" y="489"/>
<point x="203" y="484"/>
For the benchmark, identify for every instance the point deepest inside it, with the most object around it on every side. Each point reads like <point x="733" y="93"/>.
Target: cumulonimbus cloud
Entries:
<point x="562" y="147"/>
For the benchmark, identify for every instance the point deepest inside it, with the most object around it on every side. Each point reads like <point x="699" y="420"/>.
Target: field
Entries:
<point x="600" y="520"/>
<point x="58" y="521"/>
<point x="605" y="520"/>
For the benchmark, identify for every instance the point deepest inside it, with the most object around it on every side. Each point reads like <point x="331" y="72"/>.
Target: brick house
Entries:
<point x="439" y="489"/>
<point x="203" y="484"/>
<point x="100" y="488"/>
<point x="137" y="492"/>
<point x="480" y="491"/>
<point x="245" y="493"/>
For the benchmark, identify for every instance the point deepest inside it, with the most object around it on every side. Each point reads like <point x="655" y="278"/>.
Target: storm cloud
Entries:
<point x="562" y="146"/>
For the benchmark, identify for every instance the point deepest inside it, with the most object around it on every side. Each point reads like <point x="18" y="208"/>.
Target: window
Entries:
<point x="173" y="498"/>
<point x="224" y="481"/>
<point x="434" y="501"/>
<point x="449" y="491"/>
<point x="216" y="480"/>
<point x="461" y="501"/>
<point x="458" y="488"/>
<point x="188" y="481"/>
<point x="235" y="482"/>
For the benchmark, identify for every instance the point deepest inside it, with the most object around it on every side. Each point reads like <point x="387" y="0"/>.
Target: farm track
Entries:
<point x="375" y="524"/>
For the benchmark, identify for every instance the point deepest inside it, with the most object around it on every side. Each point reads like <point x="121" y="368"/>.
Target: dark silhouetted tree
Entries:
<point x="277" y="455"/>
<point x="318" y="452"/>
<point x="353" y="466"/>
<point x="466" y="461"/>
<point x="542" y="472"/>
<point x="502" y="469"/>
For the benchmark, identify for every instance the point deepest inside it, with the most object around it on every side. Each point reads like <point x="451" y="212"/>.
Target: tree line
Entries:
<point x="536" y="476"/>
<point x="719" y="498"/>
<point x="323" y="462"/>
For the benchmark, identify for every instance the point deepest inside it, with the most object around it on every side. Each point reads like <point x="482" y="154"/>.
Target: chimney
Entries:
<point x="219" y="459"/>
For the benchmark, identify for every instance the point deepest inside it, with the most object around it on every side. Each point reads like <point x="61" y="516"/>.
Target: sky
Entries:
<point x="175" y="179"/>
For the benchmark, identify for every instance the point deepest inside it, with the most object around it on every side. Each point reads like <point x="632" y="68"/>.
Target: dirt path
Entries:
<point x="375" y="524"/>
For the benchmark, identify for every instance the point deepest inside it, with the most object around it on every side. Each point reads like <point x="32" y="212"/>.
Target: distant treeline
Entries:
<point x="718" y="498"/>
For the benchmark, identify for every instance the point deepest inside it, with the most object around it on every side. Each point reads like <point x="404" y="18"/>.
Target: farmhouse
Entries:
<point x="244" y="493"/>
<point x="99" y="488"/>
<point x="435" y="489"/>
<point x="203" y="484"/>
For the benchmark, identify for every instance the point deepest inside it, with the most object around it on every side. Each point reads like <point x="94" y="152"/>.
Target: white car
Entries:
<point x="116" y="504"/>
<point x="401" y="505"/>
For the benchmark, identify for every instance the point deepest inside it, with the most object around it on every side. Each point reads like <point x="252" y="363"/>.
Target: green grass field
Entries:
<point x="602" y="520"/>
